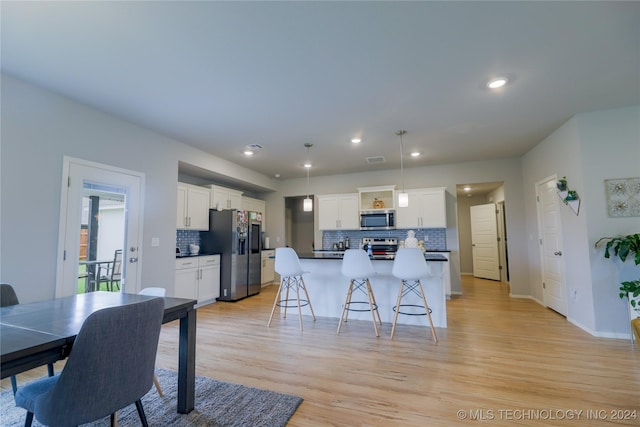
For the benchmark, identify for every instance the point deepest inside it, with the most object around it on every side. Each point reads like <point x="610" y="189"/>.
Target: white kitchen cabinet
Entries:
<point x="255" y="205"/>
<point x="268" y="271"/>
<point x="338" y="212"/>
<point x="225" y="198"/>
<point x="209" y="280"/>
<point x="427" y="209"/>
<point x="198" y="278"/>
<point x="192" y="207"/>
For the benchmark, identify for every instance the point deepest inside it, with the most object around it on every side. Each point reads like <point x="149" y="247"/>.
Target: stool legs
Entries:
<point x="401" y="293"/>
<point x="287" y="282"/>
<point x="373" y="307"/>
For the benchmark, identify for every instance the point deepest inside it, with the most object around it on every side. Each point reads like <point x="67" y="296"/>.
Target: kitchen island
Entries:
<point x="327" y="289"/>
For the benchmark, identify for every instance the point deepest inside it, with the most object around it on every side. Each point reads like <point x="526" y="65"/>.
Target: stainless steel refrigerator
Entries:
<point x="236" y="236"/>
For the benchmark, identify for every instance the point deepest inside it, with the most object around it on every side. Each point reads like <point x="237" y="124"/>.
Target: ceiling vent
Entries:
<point x="374" y="160"/>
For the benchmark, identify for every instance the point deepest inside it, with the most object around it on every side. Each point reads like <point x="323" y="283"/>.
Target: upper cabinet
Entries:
<point x="427" y="209"/>
<point x="377" y="198"/>
<point x="225" y="198"/>
<point x="192" y="207"/>
<point x="338" y="212"/>
<point x="255" y="205"/>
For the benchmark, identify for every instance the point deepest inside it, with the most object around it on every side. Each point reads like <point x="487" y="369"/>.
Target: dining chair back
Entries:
<point x="112" y="272"/>
<point x="106" y="370"/>
<point x="8" y="298"/>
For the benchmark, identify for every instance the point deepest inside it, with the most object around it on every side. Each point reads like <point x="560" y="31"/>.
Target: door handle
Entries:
<point x="558" y="253"/>
<point x="133" y="259"/>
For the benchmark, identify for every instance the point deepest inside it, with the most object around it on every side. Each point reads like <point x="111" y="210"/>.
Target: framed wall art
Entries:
<point x="623" y="197"/>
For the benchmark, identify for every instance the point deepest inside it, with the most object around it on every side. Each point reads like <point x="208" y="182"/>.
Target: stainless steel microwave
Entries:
<point x="378" y="220"/>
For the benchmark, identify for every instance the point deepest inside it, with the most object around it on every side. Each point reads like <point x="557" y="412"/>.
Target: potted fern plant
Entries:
<point x="624" y="247"/>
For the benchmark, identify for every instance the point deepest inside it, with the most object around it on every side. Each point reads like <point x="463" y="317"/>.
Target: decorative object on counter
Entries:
<point x="194" y="249"/>
<point x="624" y="247"/>
<point x="267" y="243"/>
<point x="569" y="197"/>
<point x="378" y="204"/>
<point x="346" y="242"/>
<point x="411" y="241"/>
<point x="623" y="197"/>
<point x="403" y="197"/>
<point x="307" y="205"/>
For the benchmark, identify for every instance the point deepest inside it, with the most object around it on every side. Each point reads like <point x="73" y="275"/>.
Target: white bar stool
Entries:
<point x="356" y="265"/>
<point x="288" y="266"/>
<point x="409" y="266"/>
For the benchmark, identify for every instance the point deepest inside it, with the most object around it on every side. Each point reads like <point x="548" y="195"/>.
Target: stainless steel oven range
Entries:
<point x="381" y="247"/>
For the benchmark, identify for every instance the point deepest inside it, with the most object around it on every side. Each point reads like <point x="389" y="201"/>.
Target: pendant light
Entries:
<point x="403" y="197"/>
<point x="307" y="205"/>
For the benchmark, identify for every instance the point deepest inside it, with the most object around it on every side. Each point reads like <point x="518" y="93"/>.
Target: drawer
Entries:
<point x="182" y="263"/>
<point x="209" y="260"/>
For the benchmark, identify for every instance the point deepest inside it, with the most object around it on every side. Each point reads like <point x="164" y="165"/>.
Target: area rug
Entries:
<point x="217" y="404"/>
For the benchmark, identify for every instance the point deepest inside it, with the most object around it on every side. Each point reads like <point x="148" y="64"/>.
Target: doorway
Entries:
<point x="299" y="225"/>
<point x="103" y="203"/>
<point x="550" y="242"/>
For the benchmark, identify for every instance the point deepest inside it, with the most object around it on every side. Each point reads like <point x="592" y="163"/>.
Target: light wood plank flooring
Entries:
<point x="501" y="361"/>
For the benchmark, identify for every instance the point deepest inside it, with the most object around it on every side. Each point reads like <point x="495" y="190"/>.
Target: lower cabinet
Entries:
<point x="268" y="266"/>
<point x="198" y="278"/>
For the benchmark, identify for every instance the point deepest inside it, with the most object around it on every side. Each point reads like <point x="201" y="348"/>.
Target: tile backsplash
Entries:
<point x="186" y="237"/>
<point x="434" y="238"/>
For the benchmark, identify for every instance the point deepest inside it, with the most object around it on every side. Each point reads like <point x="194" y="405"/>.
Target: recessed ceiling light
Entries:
<point x="248" y="153"/>
<point x="467" y="188"/>
<point x="415" y="154"/>
<point x="497" y="82"/>
<point x="307" y="165"/>
<point x="356" y="140"/>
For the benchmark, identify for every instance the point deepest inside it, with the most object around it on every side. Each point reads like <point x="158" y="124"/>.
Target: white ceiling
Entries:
<point x="222" y="75"/>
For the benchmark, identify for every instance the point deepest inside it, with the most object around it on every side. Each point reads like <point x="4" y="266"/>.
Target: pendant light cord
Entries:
<point x="400" y="133"/>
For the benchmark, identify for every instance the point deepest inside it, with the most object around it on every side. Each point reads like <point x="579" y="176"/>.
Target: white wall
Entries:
<point x="38" y="129"/>
<point x="587" y="149"/>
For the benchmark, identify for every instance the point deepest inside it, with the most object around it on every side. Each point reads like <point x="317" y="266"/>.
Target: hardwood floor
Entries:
<point x="501" y="360"/>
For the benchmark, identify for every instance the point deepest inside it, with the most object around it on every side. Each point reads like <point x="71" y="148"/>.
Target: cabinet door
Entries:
<point x="409" y="217"/>
<point x="181" y="203"/>
<point x="328" y="213"/>
<point x="198" y="209"/>
<point x="219" y="197"/>
<point x="187" y="283"/>
<point x="234" y="199"/>
<point x="268" y="266"/>
<point x="433" y="212"/>
<point x="349" y="213"/>
<point x="209" y="283"/>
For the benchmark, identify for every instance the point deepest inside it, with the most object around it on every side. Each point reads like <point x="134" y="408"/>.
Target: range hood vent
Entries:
<point x="377" y="159"/>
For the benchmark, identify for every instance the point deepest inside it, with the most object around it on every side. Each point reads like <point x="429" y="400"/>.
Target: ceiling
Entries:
<point x="223" y="75"/>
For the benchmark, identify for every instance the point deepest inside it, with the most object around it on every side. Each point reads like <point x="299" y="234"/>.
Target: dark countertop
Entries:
<point x="193" y="256"/>
<point x="338" y="255"/>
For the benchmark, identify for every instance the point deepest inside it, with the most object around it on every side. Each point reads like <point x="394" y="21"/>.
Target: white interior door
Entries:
<point x="550" y="240"/>
<point x="77" y="175"/>
<point x="484" y="242"/>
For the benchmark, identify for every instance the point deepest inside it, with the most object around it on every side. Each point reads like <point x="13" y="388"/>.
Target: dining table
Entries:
<point x="38" y="333"/>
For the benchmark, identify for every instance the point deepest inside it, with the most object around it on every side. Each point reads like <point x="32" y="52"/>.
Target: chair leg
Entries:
<point x="29" y="420"/>
<point x="343" y="315"/>
<point x="426" y="307"/>
<point x="50" y="369"/>
<point x="275" y="303"/>
<point x="143" y="417"/>
<point x="395" y="316"/>
<point x="298" y="300"/>
<point x="14" y="384"/>
<point x="286" y="296"/>
<point x="371" y="306"/>
<point x="375" y="303"/>
<point x="304" y="288"/>
<point x="157" y="384"/>
<point x="114" y="419"/>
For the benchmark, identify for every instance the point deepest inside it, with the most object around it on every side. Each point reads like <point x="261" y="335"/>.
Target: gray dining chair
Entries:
<point x="112" y="272"/>
<point x="155" y="291"/>
<point x="8" y="298"/>
<point x="111" y="366"/>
